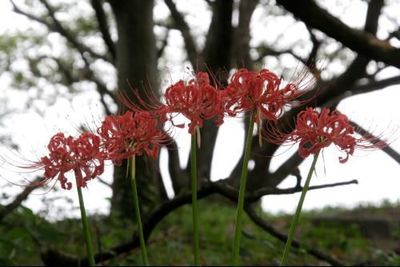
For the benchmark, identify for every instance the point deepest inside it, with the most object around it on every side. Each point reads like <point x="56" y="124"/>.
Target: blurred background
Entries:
<point x="63" y="62"/>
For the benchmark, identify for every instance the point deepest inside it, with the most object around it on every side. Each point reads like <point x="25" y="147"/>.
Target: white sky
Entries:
<point x="378" y="175"/>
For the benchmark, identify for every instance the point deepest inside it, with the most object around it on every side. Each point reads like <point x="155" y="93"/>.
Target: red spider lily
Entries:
<point x="81" y="155"/>
<point x="260" y="92"/>
<point x="315" y="130"/>
<point x="197" y="100"/>
<point x="131" y="134"/>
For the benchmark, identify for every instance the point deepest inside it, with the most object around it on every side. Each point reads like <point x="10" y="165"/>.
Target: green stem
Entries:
<point x="195" y="210"/>
<point x="242" y="191"/>
<point x="137" y="211"/>
<point x="85" y="225"/>
<point x="296" y="217"/>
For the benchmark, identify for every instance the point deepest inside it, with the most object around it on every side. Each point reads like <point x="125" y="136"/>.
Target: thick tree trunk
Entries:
<point x="136" y="65"/>
<point x="217" y="61"/>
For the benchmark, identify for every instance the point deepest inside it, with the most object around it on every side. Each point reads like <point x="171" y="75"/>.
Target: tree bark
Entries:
<point x="137" y="66"/>
<point x="217" y="61"/>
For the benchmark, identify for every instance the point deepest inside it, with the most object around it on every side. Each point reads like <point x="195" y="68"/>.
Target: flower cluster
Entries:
<point x="140" y="132"/>
<point x="119" y="137"/>
<point x="131" y="134"/>
<point x="81" y="155"/>
<point x="259" y="92"/>
<point x="197" y="100"/>
<point x="316" y="130"/>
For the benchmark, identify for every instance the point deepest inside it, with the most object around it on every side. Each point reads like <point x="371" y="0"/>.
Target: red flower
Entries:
<point x="260" y="92"/>
<point x="197" y="100"/>
<point x="80" y="155"/>
<point x="316" y="130"/>
<point x="131" y="134"/>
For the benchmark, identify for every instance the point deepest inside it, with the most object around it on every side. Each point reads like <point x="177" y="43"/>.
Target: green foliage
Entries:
<point x="23" y="235"/>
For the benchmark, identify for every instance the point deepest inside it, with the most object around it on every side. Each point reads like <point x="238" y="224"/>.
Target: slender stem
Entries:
<point x="85" y="225"/>
<point x="242" y="191"/>
<point x="195" y="209"/>
<point x="137" y="211"/>
<point x="296" y="217"/>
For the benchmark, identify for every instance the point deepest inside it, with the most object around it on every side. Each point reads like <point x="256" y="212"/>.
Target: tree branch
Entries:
<point x="327" y="91"/>
<point x="365" y="88"/>
<point x="282" y="237"/>
<point x="103" y="26"/>
<point x="89" y="75"/>
<point x="4" y="211"/>
<point x="164" y="44"/>
<point x="387" y="149"/>
<point x="242" y="34"/>
<point x="264" y="51"/>
<point x="179" y="178"/>
<point x="57" y="27"/>
<point x="181" y="24"/>
<point x="364" y="43"/>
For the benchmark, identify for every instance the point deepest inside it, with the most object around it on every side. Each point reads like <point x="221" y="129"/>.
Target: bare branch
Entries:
<point x="359" y="41"/>
<point x="181" y="24"/>
<point x="103" y="26"/>
<point x="242" y="34"/>
<point x="282" y="237"/>
<point x="89" y="75"/>
<point x="387" y="149"/>
<point x="264" y="51"/>
<point x="327" y="91"/>
<point x="179" y="177"/>
<point x="57" y="27"/>
<point x="104" y="182"/>
<point x="310" y="63"/>
<point x="163" y="45"/>
<point x="18" y="200"/>
<point x="252" y="197"/>
<point x="364" y="88"/>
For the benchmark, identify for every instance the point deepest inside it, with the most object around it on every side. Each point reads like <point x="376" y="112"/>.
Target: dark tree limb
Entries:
<point x="184" y="28"/>
<point x="387" y="148"/>
<point x="327" y="91"/>
<point x="264" y="51"/>
<point x="103" y="26"/>
<point x="7" y="209"/>
<point x="282" y="237"/>
<point x="164" y="44"/>
<point x="179" y="178"/>
<point x="242" y="34"/>
<point x="312" y="57"/>
<point x="295" y="160"/>
<point x="88" y="75"/>
<point x="364" y="88"/>
<point x="57" y="27"/>
<point x="362" y="42"/>
<point x="81" y="48"/>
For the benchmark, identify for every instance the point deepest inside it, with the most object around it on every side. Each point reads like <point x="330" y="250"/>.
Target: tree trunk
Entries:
<point x="136" y="65"/>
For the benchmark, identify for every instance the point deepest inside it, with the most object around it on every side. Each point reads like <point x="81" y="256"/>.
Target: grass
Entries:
<point x="23" y="235"/>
